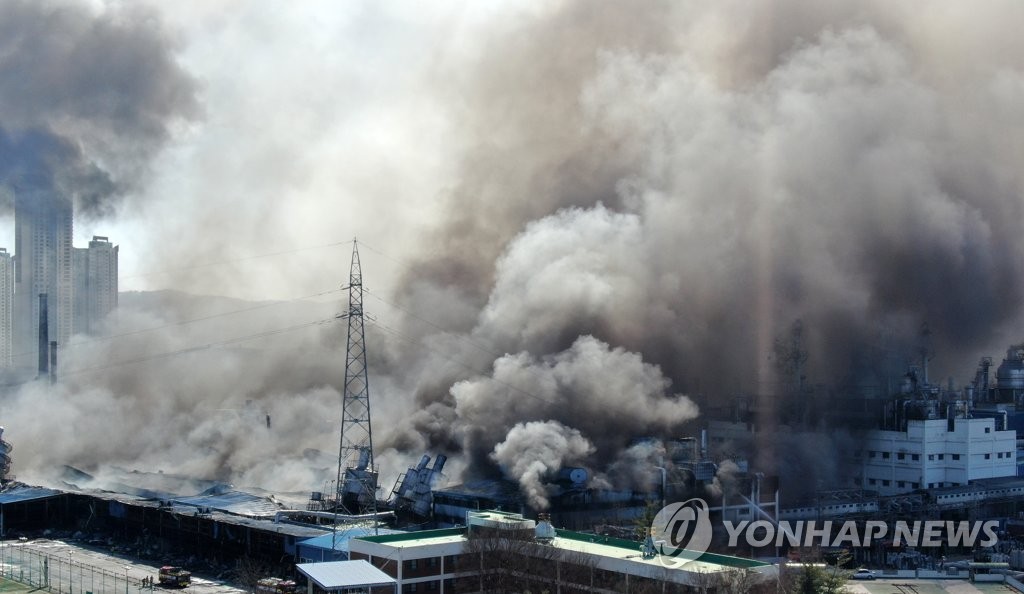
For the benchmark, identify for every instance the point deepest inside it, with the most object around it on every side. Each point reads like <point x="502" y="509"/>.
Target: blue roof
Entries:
<point x="18" y="494"/>
<point x="341" y="541"/>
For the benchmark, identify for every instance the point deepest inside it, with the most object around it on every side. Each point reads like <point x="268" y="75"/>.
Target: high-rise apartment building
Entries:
<point x="6" y="308"/>
<point x="95" y="286"/>
<point x="43" y="231"/>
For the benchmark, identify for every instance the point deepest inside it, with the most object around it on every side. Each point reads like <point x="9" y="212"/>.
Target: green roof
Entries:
<point x="421" y="535"/>
<point x="622" y="543"/>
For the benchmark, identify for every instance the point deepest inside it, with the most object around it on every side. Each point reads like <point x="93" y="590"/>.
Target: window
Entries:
<point x="871" y="454"/>
<point x="915" y="485"/>
<point x="413" y="563"/>
<point x="901" y="456"/>
<point x="432" y="562"/>
<point x="885" y="482"/>
<point x="988" y="456"/>
<point x="871" y="481"/>
<point x="915" y="457"/>
<point x="885" y="455"/>
<point x="941" y="456"/>
<point x="988" y="429"/>
<point x="931" y="456"/>
<point x="901" y="484"/>
<point x="957" y="456"/>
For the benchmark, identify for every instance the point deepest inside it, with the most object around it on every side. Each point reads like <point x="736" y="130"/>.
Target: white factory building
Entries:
<point x="927" y="453"/>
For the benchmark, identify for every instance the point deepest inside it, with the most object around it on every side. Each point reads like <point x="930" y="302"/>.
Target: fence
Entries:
<point x="59" y="572"/>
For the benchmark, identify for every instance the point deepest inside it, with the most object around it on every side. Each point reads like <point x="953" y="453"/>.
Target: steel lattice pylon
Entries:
<point x="357" y="476"/>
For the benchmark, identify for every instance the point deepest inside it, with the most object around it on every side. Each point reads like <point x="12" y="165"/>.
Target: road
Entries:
<point x="905" y="586"/>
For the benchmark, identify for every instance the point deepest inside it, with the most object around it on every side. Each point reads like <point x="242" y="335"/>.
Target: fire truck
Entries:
<point x="275" y="586"/>
<point x="174" y="577"/>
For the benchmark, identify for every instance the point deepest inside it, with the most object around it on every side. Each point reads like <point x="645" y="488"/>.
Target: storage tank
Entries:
<point x="1010" y="376"/>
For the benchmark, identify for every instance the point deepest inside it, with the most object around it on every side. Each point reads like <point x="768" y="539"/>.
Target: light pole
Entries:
<point x="126" y="568"/>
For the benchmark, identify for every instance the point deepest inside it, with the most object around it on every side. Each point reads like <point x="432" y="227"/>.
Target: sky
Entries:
<point x="561" y="206"/>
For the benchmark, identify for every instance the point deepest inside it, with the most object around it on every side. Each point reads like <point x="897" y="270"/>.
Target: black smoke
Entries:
<point x="87" y="98"/>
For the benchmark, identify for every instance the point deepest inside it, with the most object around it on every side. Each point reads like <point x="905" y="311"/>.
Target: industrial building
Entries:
<point x="929" y="445"/>
<point x="497" y="546"/>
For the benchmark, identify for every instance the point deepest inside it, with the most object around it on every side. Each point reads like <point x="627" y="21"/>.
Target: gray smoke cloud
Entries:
<point x="610" y="395"/>
<point x="533" y="452"/>
<point x="603" y="208"/>
<point x="87" y="98"/>
<point x="686" y="181"/>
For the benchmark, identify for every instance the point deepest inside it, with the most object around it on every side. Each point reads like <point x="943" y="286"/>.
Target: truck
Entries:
<point x="174" y="577"/>
<point x="275" y="585"/>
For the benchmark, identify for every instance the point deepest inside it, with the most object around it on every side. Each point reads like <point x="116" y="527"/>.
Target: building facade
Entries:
<point x="497" y="552"/>
<point x="6" y="309"/>
<point x="43" y="231"/>
<point x="95" y="284"/>
<point x="934" y="453"/>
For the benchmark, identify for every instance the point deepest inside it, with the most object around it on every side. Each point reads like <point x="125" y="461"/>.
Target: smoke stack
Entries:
<point x="44" y="336"/>
<point x="53" y="361"/>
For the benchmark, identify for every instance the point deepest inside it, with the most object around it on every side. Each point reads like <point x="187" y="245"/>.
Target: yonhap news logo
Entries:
<point x="682" y="532"/>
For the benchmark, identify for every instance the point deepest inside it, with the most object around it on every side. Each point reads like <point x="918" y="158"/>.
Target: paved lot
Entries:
<point x="905" y="586"/>
<point x="71" y="568"/>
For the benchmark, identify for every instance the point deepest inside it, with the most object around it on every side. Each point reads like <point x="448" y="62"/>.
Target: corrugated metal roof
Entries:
<point x="26" y="494"/>
<point x="234" y="502"/>
<point x="334" y="575"/>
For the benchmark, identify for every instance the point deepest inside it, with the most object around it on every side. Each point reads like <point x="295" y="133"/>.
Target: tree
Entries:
<point x="248" y="571"/>
<point x="817" y="579"/>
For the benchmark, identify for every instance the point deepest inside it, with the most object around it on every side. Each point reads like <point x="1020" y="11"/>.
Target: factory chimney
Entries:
<point x="44" y="336"/>
<point x="53" y="361"/>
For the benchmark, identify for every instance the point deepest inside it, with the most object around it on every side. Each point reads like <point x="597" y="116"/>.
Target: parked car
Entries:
<point x="863" y="574"/>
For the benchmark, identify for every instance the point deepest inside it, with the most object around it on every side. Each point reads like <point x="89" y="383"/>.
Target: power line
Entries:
<point x="200" y="319"/>
<point x="96" y="339"/>
<point x="183" y="351"/>
<point x="233" y="260"/>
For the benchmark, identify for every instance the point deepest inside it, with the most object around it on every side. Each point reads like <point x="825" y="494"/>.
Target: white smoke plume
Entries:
<point x="610" y="395"/>
<point x="533" y="452"/>
<point x="725" y="479"/>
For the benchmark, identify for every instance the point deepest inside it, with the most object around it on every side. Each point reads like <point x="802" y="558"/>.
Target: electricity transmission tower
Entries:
<point x="357" y="477"/>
